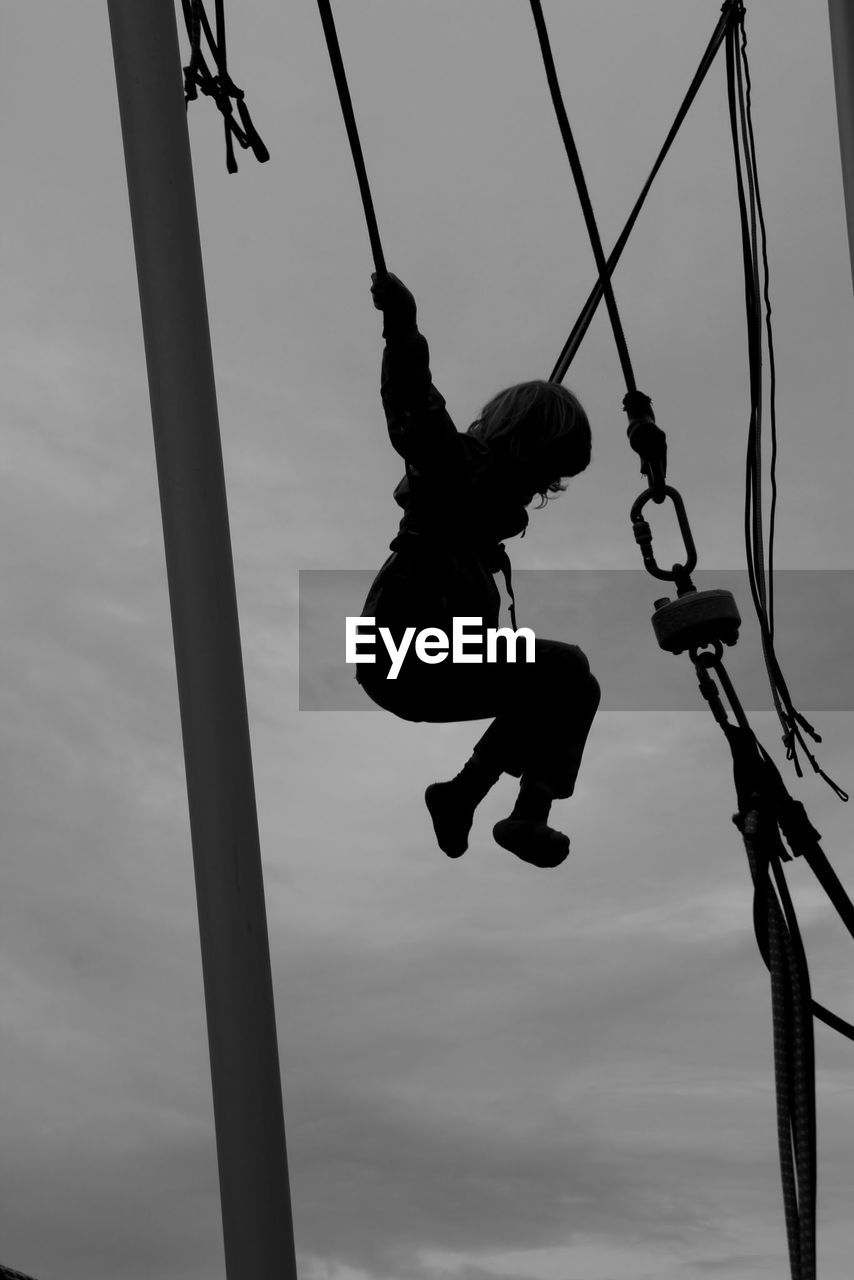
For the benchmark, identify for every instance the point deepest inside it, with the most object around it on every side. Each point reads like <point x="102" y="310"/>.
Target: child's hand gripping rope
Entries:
<point x="394" y="300"/>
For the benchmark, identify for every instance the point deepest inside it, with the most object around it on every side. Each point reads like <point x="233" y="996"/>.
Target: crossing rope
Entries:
<point x="582" y="324"/>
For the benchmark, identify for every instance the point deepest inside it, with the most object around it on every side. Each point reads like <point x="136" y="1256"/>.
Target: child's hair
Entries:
<point x="539" y="423"/>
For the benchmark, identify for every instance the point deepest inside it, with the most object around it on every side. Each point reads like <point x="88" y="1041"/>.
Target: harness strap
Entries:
<point x="506" y="570"/>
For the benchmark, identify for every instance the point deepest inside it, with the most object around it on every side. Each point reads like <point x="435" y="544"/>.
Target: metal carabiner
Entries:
<point x="643" y="536"/>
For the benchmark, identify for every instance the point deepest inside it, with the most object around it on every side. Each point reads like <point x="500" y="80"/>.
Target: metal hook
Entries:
<point x="679" y="573"/>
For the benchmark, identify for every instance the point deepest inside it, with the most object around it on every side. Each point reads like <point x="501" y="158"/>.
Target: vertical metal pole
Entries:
<point x="247" y="1096"/>
<point x="842" y="43"/>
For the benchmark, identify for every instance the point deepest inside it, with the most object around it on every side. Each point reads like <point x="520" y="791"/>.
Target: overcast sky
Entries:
<point x="488" y="1071"/>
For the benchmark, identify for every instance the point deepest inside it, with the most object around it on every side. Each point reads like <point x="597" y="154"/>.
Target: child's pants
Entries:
<point x="542" y="710"/>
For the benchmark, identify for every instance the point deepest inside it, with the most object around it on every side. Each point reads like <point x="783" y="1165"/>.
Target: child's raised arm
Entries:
<point x="419" y="426"/>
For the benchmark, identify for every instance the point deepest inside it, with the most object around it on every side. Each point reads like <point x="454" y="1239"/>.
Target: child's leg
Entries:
<point x="542" y="715"/>
<point x="452" y="804"/>
<point x="549" y="737"/>
<point x="539" y="735"/>
<point x="425" y="694"/>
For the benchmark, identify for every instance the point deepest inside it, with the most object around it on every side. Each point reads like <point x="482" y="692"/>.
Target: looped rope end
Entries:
<point x="835" y="787"/>
<point x="230" y="162"/>
<point x="805" y="724"/>
<point x="220" y="87"/>
<point x="191" y="92"/>
<point x="262" y="155"/>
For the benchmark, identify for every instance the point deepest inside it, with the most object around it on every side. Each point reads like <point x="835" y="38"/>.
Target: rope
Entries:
<point x="781" y="946"/>
<point x="767" y="816"/>
<point x="802" y="1068"/>
<point x="352" y="133"/>
<point x="647" y="439"/>
<point x="754" y="247"/>
<point x="220" y="87"/>
<point x="755" y="774"/>
<point x="584" y="196"/>
<point x="780" y="1013"/>
<point x="582" y="324"/>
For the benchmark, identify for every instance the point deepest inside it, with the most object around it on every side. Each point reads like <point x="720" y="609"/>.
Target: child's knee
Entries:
<point x="587" y="687"/>
<point x="578" y="676"/>
<point x="575" y="664"/>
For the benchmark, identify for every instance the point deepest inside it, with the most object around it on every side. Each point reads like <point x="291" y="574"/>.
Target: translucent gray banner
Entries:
<point x="607" y="613"/>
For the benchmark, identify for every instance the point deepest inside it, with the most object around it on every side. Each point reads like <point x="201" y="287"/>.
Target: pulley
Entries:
<point x="696" y="618"/>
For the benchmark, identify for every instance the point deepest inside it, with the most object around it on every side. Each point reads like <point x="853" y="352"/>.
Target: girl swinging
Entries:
<point x="463" y="493"/>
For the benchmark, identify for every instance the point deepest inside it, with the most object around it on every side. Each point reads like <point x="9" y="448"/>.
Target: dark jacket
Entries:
<point x="458" y="503"/>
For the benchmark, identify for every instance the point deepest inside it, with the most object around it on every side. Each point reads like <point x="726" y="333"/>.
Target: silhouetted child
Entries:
<point x="462" y="495"/>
